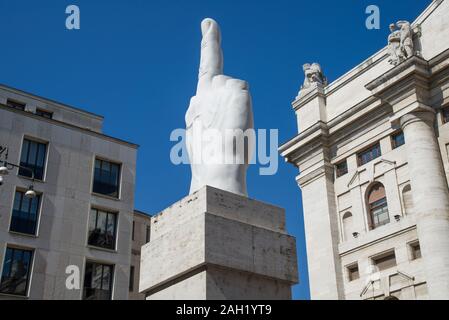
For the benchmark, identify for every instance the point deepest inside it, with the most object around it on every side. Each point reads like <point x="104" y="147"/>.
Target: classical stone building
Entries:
<point x="372" y="151"/>
<point x="82" y="214"/>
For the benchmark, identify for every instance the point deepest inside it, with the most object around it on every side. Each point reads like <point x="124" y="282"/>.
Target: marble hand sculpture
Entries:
<point x="221" y="105"/>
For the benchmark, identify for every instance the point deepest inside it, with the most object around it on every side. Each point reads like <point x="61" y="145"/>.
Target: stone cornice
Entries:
<point x="406" y="86"/>
<point x="69" y="126"/>
<point x="314" y="137"/>
<point x="305" y="179"/>
<point x="51" y="102"/>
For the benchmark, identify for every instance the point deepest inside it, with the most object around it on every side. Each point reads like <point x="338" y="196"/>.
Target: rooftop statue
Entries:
<point x="219" y="114"/>
<point x="313" y="77"/>
<point x="400" y="42"/>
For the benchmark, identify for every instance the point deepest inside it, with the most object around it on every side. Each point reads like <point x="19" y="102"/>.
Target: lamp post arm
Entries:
<point x="7" y="164"/>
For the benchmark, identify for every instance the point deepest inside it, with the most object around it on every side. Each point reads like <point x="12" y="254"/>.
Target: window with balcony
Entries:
<point x="98" y="280"/>
<point x="16" y="271"/>
<point x="369" y="154"/>
<point x="377" y="206"/>
<point x="106" y="178"/>
<point x="33" y="157"/>
<point x="397" y="140"/>
<point x="102" y="229"/>
<point x="25" y="214"/>
<point x="341" y="168"/>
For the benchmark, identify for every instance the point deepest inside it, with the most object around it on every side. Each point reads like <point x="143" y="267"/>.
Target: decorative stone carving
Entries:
<point x="313" y="77"/>
<point x="222" y="106"/>
<point x="400" y="42"/>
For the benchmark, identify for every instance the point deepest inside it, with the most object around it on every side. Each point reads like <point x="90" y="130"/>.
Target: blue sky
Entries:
<point x="136" y="62"/>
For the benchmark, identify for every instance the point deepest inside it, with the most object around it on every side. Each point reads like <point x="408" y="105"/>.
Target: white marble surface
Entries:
<point x="221" y="105"/>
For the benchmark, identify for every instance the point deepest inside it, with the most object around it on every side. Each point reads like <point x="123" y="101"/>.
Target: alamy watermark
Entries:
<point x="226" y="147"/>
<point x="373" y="20"/>
<point x="73" y="21"/>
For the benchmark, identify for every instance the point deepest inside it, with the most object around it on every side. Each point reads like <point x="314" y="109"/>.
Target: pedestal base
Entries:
<point x="216" y="245"/>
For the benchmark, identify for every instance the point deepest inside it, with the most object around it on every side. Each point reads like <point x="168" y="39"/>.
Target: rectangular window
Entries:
<point x="147" y="238"/>
<point x="134" y="228"/>
<point x="102" y="229"/>
<point x="16" y="104"/>
<point x="16" y="271"/>
<point x="98" y="281"/>
<point x="341" y="168"/>
<point x="131" y="279"/>
<point x="353" y="272"/>
<point x="33" y="157"/>
<point x="397" y="140"/>
<point x="445" y="115"/>
<point x="415" y="250"/>
<point x="385" y="261"/>
<point x="379" y="213"/>
<point x="25" y="214"/>
<point x="44" y="114"/>
<point x="106" y="178"/>
<point x="369" y="154"/>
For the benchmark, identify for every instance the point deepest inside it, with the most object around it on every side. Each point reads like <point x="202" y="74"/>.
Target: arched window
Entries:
<point x="377" y="206"/>
<point x="347" y="225"/>
<point x="407" y="199"/>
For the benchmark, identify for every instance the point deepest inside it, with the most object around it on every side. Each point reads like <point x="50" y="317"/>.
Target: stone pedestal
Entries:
<point x="216" y="245"/>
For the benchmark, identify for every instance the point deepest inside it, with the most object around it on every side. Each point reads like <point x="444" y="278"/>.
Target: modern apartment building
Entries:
<point x="72" y="238"/>
<point x="372" y="151"/>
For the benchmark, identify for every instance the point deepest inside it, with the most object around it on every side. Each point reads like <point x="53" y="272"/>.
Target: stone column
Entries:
<point x="322" y="237"/>
<point x="430" y="197"/>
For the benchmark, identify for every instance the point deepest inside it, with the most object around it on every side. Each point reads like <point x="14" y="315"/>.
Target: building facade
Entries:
<point x="141" y="231"/>
<point x="73" y="239"/>
<point x="372" y="151"/>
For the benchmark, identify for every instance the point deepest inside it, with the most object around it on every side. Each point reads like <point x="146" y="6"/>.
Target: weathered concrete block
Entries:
<point x="218" y="245"/>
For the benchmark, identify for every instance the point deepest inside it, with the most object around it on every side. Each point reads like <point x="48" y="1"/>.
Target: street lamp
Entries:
<point x="3" y="171"/>
<point x="5" y="167"/>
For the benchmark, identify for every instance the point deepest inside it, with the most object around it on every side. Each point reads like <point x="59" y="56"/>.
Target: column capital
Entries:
<point x="427" y="116"/>
<point x="415" y="111"/>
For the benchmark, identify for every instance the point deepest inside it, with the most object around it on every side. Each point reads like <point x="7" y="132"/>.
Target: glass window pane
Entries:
<point x="24" y="155"/>
<point x="369" y="155"/>
<point x="101" y="221"/>
<point x="103" y="235"/>
<point x="106" y="178"/>
<point x="25" y="214"/>
<point x="106" y="277"/>
<point x="8" y="261"/>
<point x="97" y="281"/>
<point x="17" y="201"/>
<point x="16" y="271"/>
<point x="33" y="157"/>
<point x="97" y="276"/>
<point x="92" y="219"/>
<point x="41" y="156"/>
<point x="110" y="229"/>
